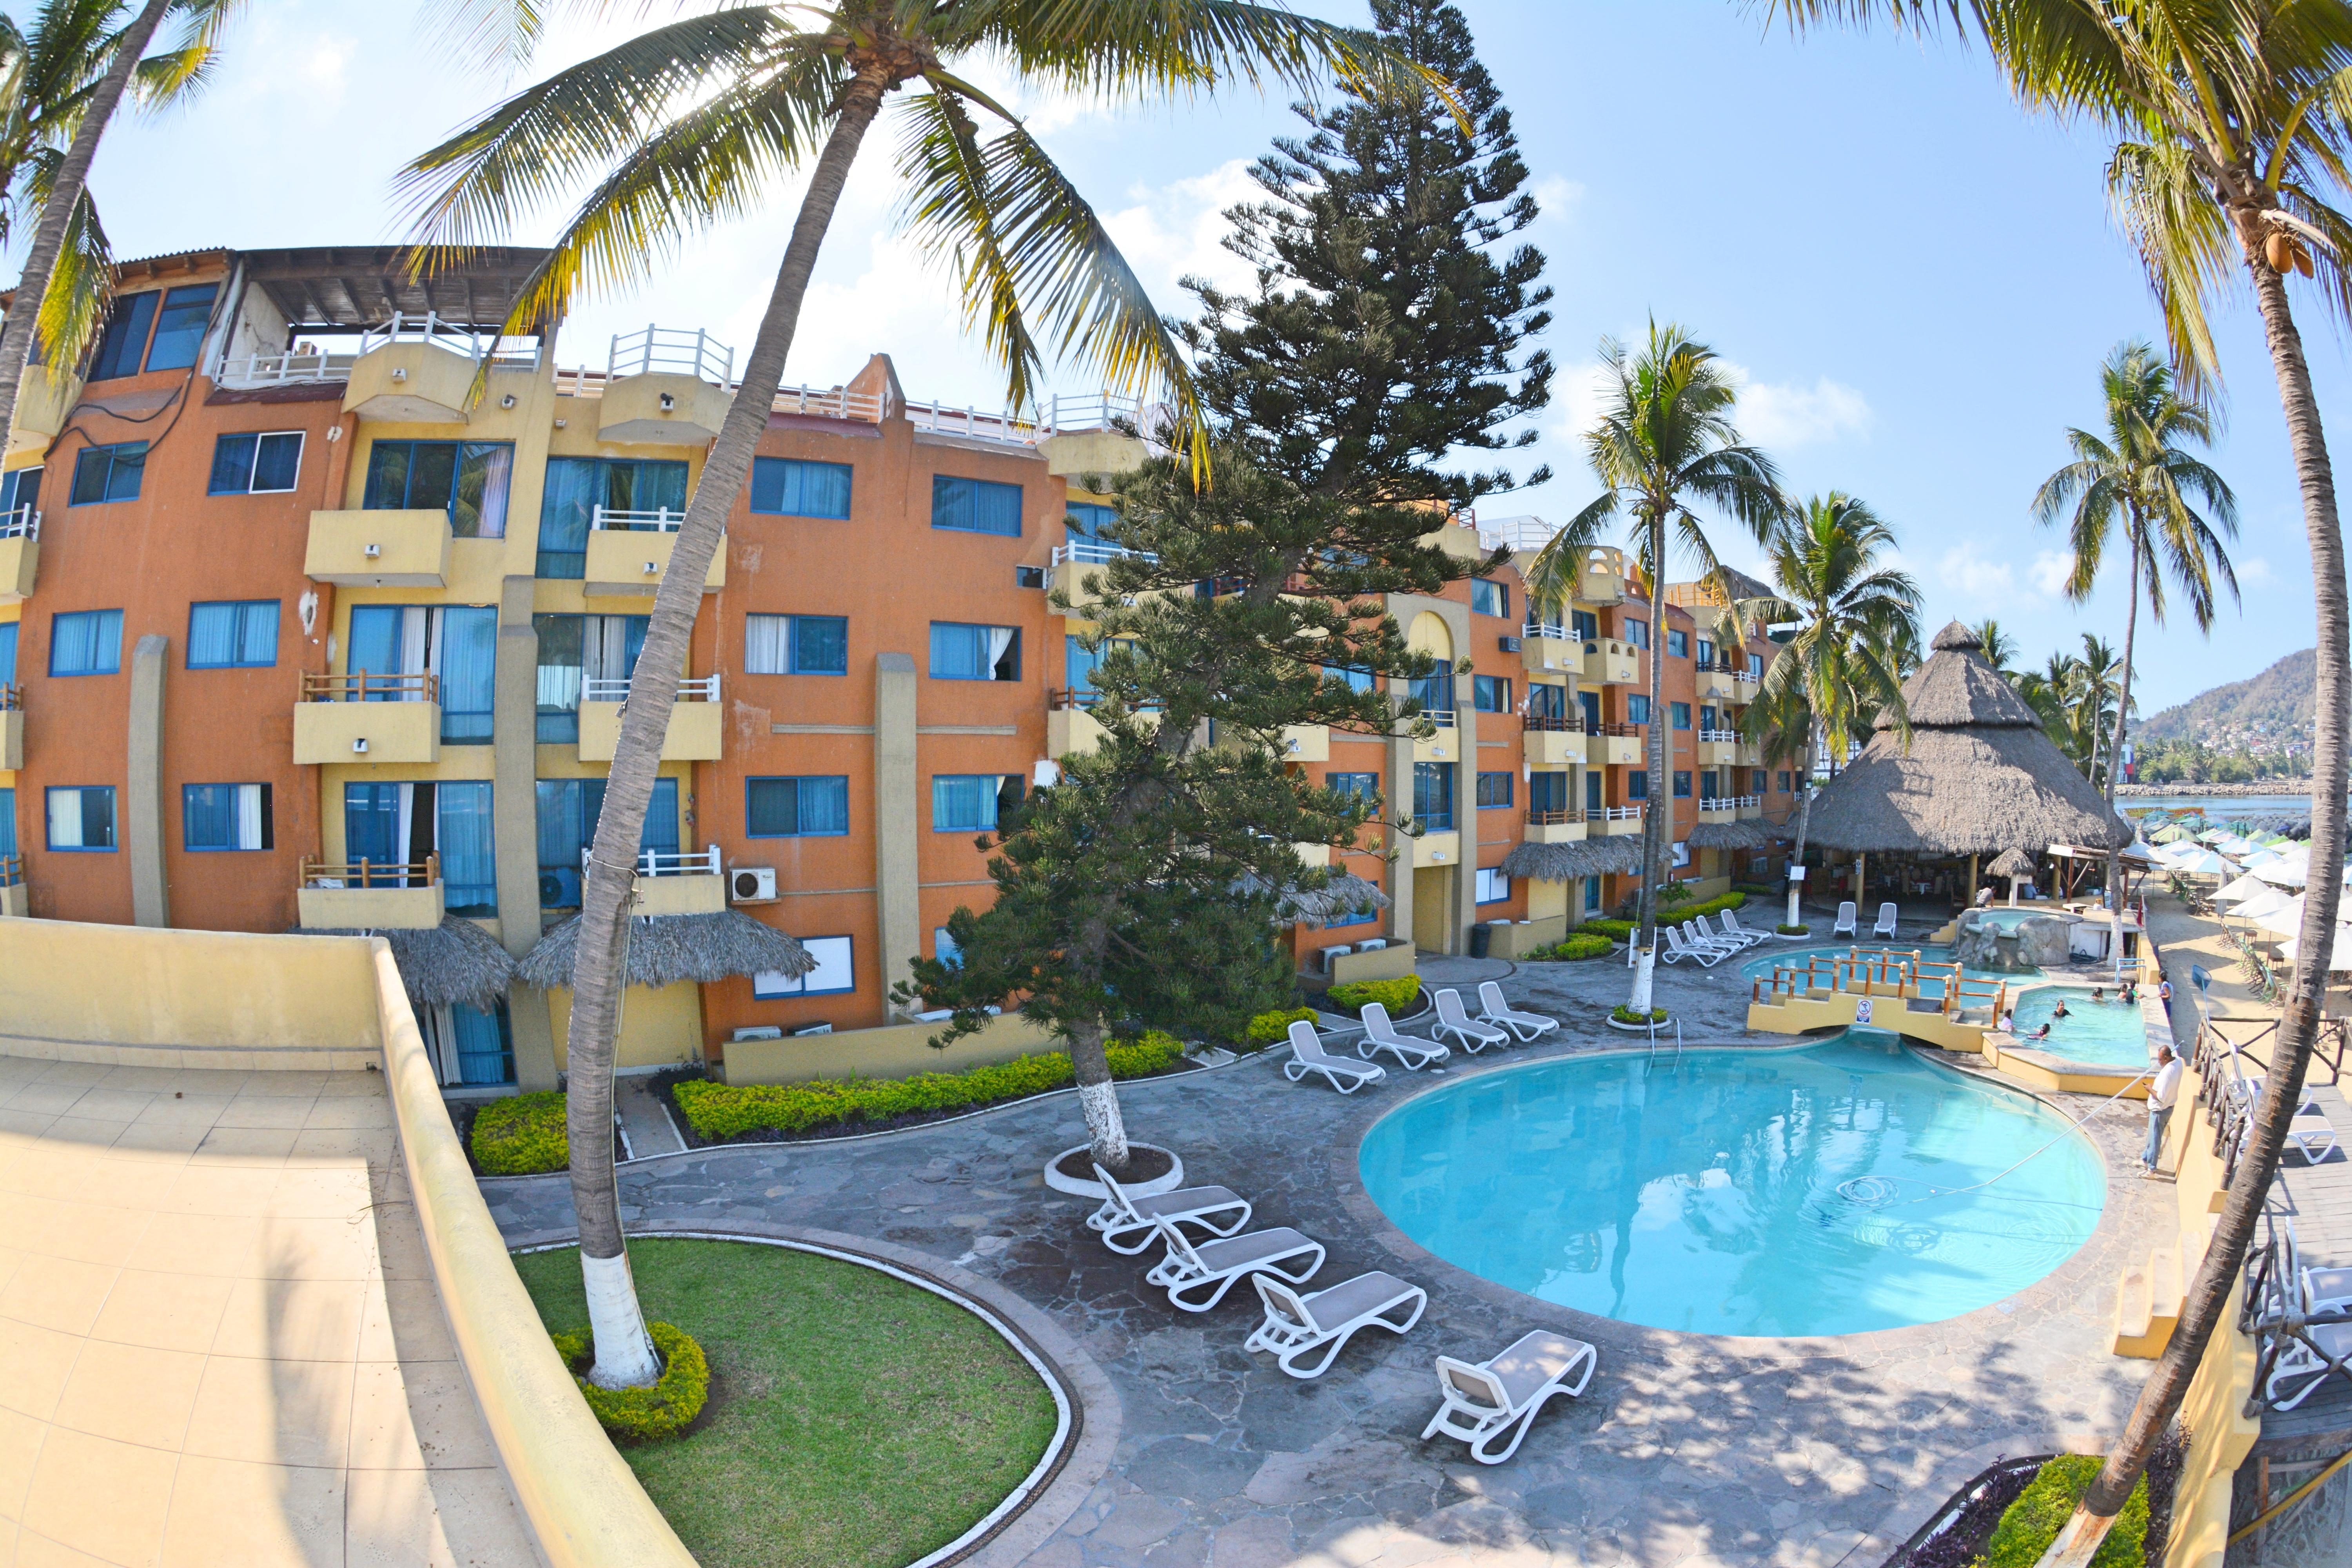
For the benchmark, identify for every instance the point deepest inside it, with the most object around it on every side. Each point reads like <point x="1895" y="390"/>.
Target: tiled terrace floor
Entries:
<point x="220" y="1340"/>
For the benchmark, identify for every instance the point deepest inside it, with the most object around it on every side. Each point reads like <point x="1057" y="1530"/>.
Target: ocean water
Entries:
<point x="1827" y="1189"/>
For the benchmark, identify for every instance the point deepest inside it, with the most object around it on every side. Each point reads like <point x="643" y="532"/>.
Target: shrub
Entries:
<point x="1625" y="1015"/>
<point x="1619" y="929"/>
<point x="645" y="1415"/>
<point x="1268" y="1028"/>
<point x="720" y="1111"/>
<point x="2034" y="1521"/>
<point x="1794" y="931"/>
<point x="522" y="1136"/>
<point x="1395" y="994"/>
<point x="1579" y="945"/>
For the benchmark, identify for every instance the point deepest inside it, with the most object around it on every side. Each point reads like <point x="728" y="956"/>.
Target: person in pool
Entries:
<point x="2098" y="993"/>
<point x="2130" y="992"/>
<point x="2056" y="1013"/>
<point x="2040" y="1034"/>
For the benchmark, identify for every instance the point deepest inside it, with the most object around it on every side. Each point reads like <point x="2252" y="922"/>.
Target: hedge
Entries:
<point x="645" y="1415"/>
<point x="1580" y="945"/>
<point x="2034" y="1521"/>
<point x="522" y="1136"/>
<point x="1267" y="1028"/>
<point x="1621" y="930"/>
<point x="1616" y="928"/>
<point x="1395" y="994"/>
<point x="717" y="1111"/>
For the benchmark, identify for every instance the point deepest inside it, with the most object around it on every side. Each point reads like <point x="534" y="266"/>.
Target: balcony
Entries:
<point x="1751" y="808"/>
<point x="44" y="398"/>
<point x="1555" y="826"/>
<point x="629" y="551"/>
<point x="1305" y="744"/>
<point x="1745" y="684"/>
<point x="361" y="895"/>
<point x="12" y="727"/>
<point x="20" y="554"/>
<point x="1719" y="808"/>
<point x="1547" y="648"/>
<point x="1608" y="662"/>
<point x="365" y="718"/>
<point x="420" y="370"/>
<point x="1714" y="683"/>
<point x="1602" y="579"/>
<point x="1611" y="821"/>
<point x="673" y="883"/>
<point x="1070" y="729"/>
<point x="1616" y="746"/>
<point x="1076" y="562"/>
<point x="391" y="549"/>
<point x="1719" y="748"/>
<point x="1555" y="742"/>
<point x="1314" y="854"/>
<point x="665" y="387"/>
<point x="1445" y="745"/>
<point x="695" y="720"/>
<point x="15" y="901"/>
<point x="1441" y="847"/>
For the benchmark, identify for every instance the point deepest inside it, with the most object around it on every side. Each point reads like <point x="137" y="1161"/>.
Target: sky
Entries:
<point x="1915" y="280"/>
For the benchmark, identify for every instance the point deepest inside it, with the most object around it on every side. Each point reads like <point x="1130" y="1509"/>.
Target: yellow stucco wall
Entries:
<point x="895" y="1050"/>
<point x="658" y="1028"/>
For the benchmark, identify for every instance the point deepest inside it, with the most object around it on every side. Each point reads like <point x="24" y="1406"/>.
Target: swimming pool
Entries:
<point x="2108" y="1033"/>
<point x="1762" y="966"/>
<point x="1805" y="1190"/>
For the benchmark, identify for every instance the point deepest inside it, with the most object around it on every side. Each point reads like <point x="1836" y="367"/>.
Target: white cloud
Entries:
<point x="1977" y="579"/>
<point x="1558" y="197"/>
<point x="1579" y="391"/>
<point x="1172" y="232"/>
<point x="2050" y="570"/>
<point x="1779" y="413"/>
<point x="2254" y="570"/>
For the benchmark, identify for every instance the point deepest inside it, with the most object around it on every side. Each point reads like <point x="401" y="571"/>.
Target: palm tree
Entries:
<point x="1998" y="647"/>
<point x="62" y="84"/>
<point x="1836" y="670"/>
<point x="2102" y="686"/>
<point x="1898" y="649"/>
<point x="694" y="121"/>
<point x="2231" y="147"/>
<point x="2050" y="692"/>
<point x="1664" y="440"/>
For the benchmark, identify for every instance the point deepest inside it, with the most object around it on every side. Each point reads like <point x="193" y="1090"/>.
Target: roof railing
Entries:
<point x="1094" y="553"/>
<point x="670" y="351"/>
<point x="303" y="361"/>
<point x="22" y="523"/>
<point x="467" y="341"/>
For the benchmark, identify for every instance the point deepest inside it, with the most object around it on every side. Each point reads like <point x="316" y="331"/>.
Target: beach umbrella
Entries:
<point x="2201" y="863"/>
<point x="2171" y="833"/>
<point x="2285" y="921"/>
<point x="2014" y="864"/>
<point x="2214" y="834"/>
<point x="2269" y="902"/>
<point x="2339" y="950"/>
<point x="2283" y="873"/>
<point x="2246" y="887"/>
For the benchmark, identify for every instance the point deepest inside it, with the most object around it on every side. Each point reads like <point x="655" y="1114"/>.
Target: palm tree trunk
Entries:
<point x="49" y="236"/>
<point x="1804" y="819"/>
<point x="2114" y="759"/>
<point x="2210" y="1295"/>
<point x="625" y="1355"/>
<point x="1657" y="818"/>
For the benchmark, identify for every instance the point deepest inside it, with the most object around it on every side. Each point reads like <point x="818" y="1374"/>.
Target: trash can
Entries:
<point x="1482" y="937"/>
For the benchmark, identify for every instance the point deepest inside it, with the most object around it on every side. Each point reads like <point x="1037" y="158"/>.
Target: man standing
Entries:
<point x="2160" y="1096"/>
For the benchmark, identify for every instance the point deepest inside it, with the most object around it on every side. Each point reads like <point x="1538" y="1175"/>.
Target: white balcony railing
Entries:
<point x="1613" y="814"/>
<point x="1551" y="629"/>
<point x="1441" y="716"/>
<point x="1718" y="805"/>
<point x="670" y="351"/>
<point x="22" y="523"/>
<point x="1720" y="736"/>
<point x="302" y="362"/>
<point x="673" y="862"/>
<point x="1060" y="416"/>
<point x="466" y="341"/>
<point x="1094" y="553"/>
<point x="659" y="520"/>
<point x="603" y="689"/>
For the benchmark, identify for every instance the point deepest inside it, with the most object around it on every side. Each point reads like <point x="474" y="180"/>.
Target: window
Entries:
<point x="1756" y="783"/>
<point x="482" y="1044"/>
<point x="233" y="635"/>
<point x="1681" y="784"/>
<point x="20" y="492"/>
<point x="1637" y="708"/>
<point x="1489" y="598"/>
<point x="1682" y="715"/>
<point x="457" y="643"/>
<point x="577" y="655"/>
<point x="1583" y="625"/>
<point x="1707" y="784"/>
<point x="1433" y="796"/>
<point x="401" y="824"/>
<point x="1706" y="651"/>
<point x="1756" y="666"/>
<point x="1365" y="785"/>
<point x="1678" y="643"/>
<point x="1682" y="854"/>
<point x="1355" y="918"/>
<point x="971" y="802"/>
<point x="1494" y="790"/>
<point x="82" y="818"/>
<point x="1592" y="894"/>
<point x="1088" y="521"/>
<point x="85" y="642"/>
<point x="180" y="327"/>
<point x="1547" y="791"/>
<point x="7" y="827"/>
<point x="961" y="652"/>
<point x="788" y="486"/>
<point x="1547" y="700"/>
<point x="795" y="645"/>
<point x="1637" y="633"/>
<point x="944" y="948"/>
<point x="468" y="479"/>
<point x="1435" y="693"/>
<point x="1491" y="693"/>
<point x="1493" y="887"/>
<point x="568" y="810"/>
<point x="835" y="973"/>
<point x="1354" y="679"/>
<point x="7" y="653"/>
<point x="225" y="816"/>
<point x="975" y="506"/>
<point x="1637" y="785"/>
<point x="252" y="464"/>
<point x="103" y="474"/>
<point x="815" y="808"/>
<point x="125" y="338"/>
<point x="1784" y="781"/>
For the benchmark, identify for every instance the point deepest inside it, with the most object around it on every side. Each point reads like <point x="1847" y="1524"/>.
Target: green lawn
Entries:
<point x="862" y="1423"/>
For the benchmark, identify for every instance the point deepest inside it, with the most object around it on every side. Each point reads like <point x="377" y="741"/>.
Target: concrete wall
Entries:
<point x="896" y="1050"/>
<point x="658" y="1028"/>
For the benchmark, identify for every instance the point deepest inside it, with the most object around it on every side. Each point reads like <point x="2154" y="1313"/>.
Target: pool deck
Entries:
<point x="1686" y="1450"/>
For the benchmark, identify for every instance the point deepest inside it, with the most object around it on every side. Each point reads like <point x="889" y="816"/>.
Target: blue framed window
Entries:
<point x="815" y="807"/>
<point x="240" y="633"/>
<point x="1547" y="791"/>
<point x="1366" y="785"/>
<point x="263" y="463"/>
<point x="1496" y="790"/>
<point x="1433" y="796"/>
<point x="1678" y="643"/>
<point x="1707" y="784"/>
<point x="795" y="645"/>
<point x="467" y="479"/>
<point x="7" y="833"/>
<point x="793" y="486"/>
<point x="85" y="642"/>
<point x="835" y="973"/>
<point x="1681" y="784"/>
<point x="568" y="810"/>
<point x="1354" y="679"/>
<point x="578" y="487"/>
<point x="180" y="327"/>
<point x="20" y="492"/>
<point x="1547" y="700"/>
<point x="1682" y="712"/>
<point x="1583" y="625"/>
<point x="1089" y="520"/>
<point x="1637" y="784"/>
<point x="81" y="818"/>
<point x="971" y="802"/>
<point x="483" y="1044"/>
<point x="1490" y="598"/>
<point x="1592" y="895"/>
<point x="975" y="506"/>
<point x="574" y="651"/>
<point x="120" y="346"/>
<point x="1706" y="651"/>
<point x="1636" y="632"/>
<point x="1706" y="715"/>
<point x="400" y="824"/>
<point x="1491" y="693"/>
<point x="104" y="474"/>
<point x="219" y="816"/>
<point x="965" y="652"/>
<point x="7" y="653"/>
<point x="1637" y="708"/>
<point x="1493" y="885"/>
<point x="1435" y="693"/>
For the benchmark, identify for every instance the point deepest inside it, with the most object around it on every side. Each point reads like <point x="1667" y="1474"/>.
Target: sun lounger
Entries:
<point x="1677" y="946"/>
<point x="1845" y="919"/>
<point x="1308" y="1055"/>
<point x="1122" y="1216"/>
<point x="2311" y="1133"/>
<point x="1213" y="1267"/>
<point x="1410" y="1051"/>
<point x="2323" y="1289"/>
<point x="1727" y="941"/>
<point x="2308" y="1364"/>
<point x="1731" y="924"/>
<point x="1485" y="1403"/>
<point x="1453" y="1020"/>
<point x="1298" y="1326"/>
<point x="1495" y="1010"/>
<point x="1885" y="925"/>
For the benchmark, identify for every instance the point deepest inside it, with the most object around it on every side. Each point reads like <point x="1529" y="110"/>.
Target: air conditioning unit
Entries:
<point x="1511" y="645"/>
<point x="757" y="1032"/>
<point x="1028" y="576"/>
<point x="752" y="884"/>
<point x="1330" y="954"/>
<point x="812" y="1030"/>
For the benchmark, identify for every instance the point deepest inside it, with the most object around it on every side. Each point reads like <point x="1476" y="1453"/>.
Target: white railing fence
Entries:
<point x="673" y="862"/>
<point x="606" y="689"/>
<point x="670" y="351"/>
<point x="1094" y="553"/>
<point x="1613" y="814"/>
<point x="1441" y="716"/>
<point x="468" y="342"/>
<point x="659" y="520"/>
<point x="302" y="362"/>
<point x="22" y="523"/>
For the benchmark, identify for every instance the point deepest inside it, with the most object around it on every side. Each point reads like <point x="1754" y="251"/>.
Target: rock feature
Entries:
<point x="2039" y="942"/>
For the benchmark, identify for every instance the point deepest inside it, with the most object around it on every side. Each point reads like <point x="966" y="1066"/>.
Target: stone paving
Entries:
<point x="1685" y="1450"/>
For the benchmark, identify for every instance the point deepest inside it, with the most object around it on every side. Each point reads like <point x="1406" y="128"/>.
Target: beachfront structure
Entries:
<point x="319" y="599"/>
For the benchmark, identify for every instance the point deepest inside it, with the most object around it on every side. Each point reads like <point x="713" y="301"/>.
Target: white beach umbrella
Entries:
<point x="2283" y="873"/>
<point x="2270" y="900"/>
<point x="2340" y="951"/>
<point x="2285" y="921"/>
<point x="2201" y="863"/>
<point x="2244" y="889"/>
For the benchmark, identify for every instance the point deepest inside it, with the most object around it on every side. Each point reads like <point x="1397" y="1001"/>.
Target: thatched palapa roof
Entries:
<point x="2012" y="863"/>
<point x="1728" y="835"/>
<point x="1979" y="777"/>
<point x="667" y="949"/>
<point x="1573" y="862"/>
<point x="455" y="962"/>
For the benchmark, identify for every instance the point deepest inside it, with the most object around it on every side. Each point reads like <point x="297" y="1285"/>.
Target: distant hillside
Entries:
<point x="2271" y="710"/>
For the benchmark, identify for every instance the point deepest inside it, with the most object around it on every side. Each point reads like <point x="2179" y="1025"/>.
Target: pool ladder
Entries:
<point x="1677" y="1022"/>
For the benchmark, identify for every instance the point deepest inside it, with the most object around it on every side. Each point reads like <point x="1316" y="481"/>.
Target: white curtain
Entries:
<point x="408" y="810"/>
<point x="418" y="625"/>
<point x="766" y="645"/>
<point x="604" y="647"/>
<point x="65" y="819"/>
<point x="1000" y="638"/>
<point x="248" y="816"/>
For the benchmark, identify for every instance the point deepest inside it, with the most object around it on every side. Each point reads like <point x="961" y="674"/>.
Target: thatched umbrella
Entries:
<point x="667" y="949"/>
<point x="454" y="962"/>
<point x="1978" y="776"/>
<point x="1573" y="862"/>
<point x="2014" y="864"/>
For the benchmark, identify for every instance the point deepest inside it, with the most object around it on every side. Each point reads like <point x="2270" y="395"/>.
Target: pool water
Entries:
<point x="1805" y="1190"/>
<point x="2108" y="1033"/>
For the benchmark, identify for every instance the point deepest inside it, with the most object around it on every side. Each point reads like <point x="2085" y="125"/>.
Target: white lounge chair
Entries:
<point x="1308" y="1055"/>
<point x="1121" y="1216"/>
<point x="1495" y="1010"/>
<point x="1296" y="1326"/>
<point x="1885" y="924"/>
<point x="1679" y="946"/>
<point x="1213" y="1266"/>
<point x="2330" y="1350"/>
<point x="1845" y="926"/>
<point x="1730" y="941"/>
<point x="1452" y="1019"/>
<point x="2323" y="1289"/>
<point x="2311" y="1133"/>
<point x="1731" y="924"/>
<point x="1380" y="1034"/>
<point x="1485" y="1402"/>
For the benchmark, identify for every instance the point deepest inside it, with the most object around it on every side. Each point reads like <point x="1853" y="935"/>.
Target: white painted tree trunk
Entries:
<point x="1644" y="966"/>
<point x="1106" y="1128"/>
<point x="625" y="1352"/>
